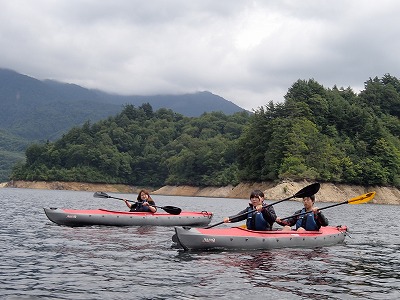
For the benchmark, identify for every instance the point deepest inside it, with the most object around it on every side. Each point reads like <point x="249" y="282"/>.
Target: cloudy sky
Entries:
<point x="249" y="52"/>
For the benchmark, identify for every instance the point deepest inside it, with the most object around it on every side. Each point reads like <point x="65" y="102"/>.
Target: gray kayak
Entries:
<point x="237" y="238"/>
<point x="77" y="217"/>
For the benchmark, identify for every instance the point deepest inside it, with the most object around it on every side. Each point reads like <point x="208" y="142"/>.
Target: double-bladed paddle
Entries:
<point x="307" y="191"/>
<point x="356" y="200"/>
<point x="173" y="210"/>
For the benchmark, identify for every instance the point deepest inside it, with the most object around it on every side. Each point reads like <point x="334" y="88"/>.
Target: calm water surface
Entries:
<point x="41" y="260"/>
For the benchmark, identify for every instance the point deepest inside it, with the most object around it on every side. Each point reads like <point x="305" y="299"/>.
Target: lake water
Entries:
<point x="41" y="260"/>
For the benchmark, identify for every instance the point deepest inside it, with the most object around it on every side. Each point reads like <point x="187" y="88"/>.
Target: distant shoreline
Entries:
<point x="328" y="193"/>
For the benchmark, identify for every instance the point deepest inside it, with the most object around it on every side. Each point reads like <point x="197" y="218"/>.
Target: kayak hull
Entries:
<point x="75" y="217"/>
<point x="237" y="238"/>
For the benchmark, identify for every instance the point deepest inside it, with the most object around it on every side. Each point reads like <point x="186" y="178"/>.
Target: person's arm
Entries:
<point x="127" y="203"/>
<point x="150" y="203"/>
<point x="321" y="219"/>
<point x="240" y="216"/>
<point x="269" y="214"/>
<point x="288" y="222"/>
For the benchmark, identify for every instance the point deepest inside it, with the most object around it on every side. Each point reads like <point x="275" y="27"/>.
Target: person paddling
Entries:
<point x="311" y="220"/>
<point x="259" y="216"/>
<point x="144" y="204"/>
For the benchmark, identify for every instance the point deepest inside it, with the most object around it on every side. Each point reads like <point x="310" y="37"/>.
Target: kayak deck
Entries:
<point x="87" y="217"/>
<point x="243" y="239"/>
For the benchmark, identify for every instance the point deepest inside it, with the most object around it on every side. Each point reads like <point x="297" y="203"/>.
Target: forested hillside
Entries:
<point x="12" y="150"/>
<point x="329" y="135"/>
<point x="33" y="110"/>
<point x="141" y="146"/>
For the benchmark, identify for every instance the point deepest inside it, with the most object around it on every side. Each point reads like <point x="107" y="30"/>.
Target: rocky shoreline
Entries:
<point x="328" y="193"/>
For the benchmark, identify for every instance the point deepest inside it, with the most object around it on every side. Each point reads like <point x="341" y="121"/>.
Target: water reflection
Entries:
<point x="286" y="271"/>
<point x="306" y="273"/>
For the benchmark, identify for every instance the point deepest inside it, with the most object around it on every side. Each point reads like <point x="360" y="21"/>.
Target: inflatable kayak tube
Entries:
<point x="237" y="238"/>
<point x="76" y="217"/>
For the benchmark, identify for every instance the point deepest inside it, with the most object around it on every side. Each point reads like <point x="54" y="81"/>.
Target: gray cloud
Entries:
<point x="249" y="52"/>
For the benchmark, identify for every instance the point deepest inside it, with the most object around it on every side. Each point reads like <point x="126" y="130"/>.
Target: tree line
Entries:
<point x="317" y="133"/>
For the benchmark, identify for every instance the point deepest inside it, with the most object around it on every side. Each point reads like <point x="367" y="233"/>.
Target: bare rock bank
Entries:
<point x="328" y="192"/>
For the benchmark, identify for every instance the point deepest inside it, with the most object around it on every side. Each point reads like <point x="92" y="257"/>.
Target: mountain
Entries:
<point x="190" y="105"/>
<point x="37" y="109"/>
<point x="34" y="110"/>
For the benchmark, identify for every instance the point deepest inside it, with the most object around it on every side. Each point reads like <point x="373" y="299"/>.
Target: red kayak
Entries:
<point x="237" y="238"/>
<point x="77" y="217"/>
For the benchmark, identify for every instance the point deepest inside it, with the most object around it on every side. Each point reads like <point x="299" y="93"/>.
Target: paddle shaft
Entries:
<point x="304" y="192"/>
<point x="134" y="201"/>
<point x="121" y="199"/>
<point x="128" y="200"/>
<point x="357" y="200"/>
<point x="329" y="206"/>
<point x="169" y="209"/>
<point x="248" y="212"/>
<point x="253" y="210"/>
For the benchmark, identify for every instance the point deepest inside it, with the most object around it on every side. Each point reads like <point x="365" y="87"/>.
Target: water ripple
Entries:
<point x="41" y="260"/>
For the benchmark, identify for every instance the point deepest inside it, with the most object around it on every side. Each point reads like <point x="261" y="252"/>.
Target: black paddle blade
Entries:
<point x="100" y="195"/>
<point x="308" y="191"/>
<point x="171" y="210"/>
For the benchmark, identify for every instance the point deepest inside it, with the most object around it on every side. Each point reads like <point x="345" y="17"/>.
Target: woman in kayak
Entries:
<point x="258" y="215"/>
<point x="144" y="203"/>
<point x="312" y="219"/>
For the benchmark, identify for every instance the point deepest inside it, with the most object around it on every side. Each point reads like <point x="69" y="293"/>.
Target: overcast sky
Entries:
<point x="249" y="52"/>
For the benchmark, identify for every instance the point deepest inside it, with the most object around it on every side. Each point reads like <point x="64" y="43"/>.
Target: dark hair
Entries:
<point x="143" y="191"/>
<point x="256" y="193"/>
<point x="312" y="197"/>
